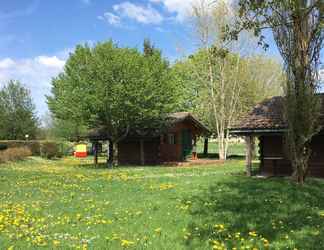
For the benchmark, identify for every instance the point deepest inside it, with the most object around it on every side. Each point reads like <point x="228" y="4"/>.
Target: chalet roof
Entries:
<point x="266" y="116"/>
<point x="182" y="116"/>
<point x="174" y="118"/>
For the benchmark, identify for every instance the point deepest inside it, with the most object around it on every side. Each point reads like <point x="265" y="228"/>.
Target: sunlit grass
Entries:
<point x="70" y="204"/>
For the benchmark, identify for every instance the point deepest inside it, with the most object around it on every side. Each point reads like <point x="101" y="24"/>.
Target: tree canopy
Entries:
<point x="17" y="112"/>
<point x="117" y="88"/>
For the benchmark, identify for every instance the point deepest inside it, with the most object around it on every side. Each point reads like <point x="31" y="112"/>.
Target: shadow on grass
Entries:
<point x="283" y="213"/>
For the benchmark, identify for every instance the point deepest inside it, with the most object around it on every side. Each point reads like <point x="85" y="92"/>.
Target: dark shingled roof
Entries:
<point x="101" y="133"/>
<point x="266" y="115"/>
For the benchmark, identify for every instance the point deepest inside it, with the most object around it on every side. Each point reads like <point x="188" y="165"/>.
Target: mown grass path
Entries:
<point x="66" y="204"/>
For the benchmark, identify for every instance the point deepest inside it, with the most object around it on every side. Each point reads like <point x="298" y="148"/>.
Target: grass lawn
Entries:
<point x="66" y="204"/>
<point x="234" y="149"/>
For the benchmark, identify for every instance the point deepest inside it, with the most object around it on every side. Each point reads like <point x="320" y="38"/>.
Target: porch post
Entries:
<point x="110" y="153"/>
<point x="142" y="152"/>
<point x="95" y="146"/>
<point x="249" y="154"/>
<point x="206" y="146"/>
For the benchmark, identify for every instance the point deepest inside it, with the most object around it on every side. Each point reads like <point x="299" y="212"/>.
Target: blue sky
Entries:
<point x="36" y="36"/>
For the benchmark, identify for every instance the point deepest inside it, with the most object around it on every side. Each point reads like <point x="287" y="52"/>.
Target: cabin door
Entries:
<point x="186" y="143"/>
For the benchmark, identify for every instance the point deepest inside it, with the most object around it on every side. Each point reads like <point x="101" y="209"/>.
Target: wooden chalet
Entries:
<point x="174" y="143"/>
<point x="266" y="122"/>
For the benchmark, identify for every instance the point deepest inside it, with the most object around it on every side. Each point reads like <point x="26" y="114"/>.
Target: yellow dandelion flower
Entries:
<point x="158" y="230"/>
<point x="126" y="243"/>
<point x="253" y="234"/>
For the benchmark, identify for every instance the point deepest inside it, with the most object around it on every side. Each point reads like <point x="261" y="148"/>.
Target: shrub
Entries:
<point x="50" y="150"/>
<point x="66" y="148"/>
<point x="34" y="146"/>
<point x="14" y="154"/>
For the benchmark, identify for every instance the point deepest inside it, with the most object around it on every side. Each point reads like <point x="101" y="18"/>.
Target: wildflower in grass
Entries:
<point x="265" y="242"/>
<point x="78" y="216"/>
<point x="253" y="234"/>
<point x="216" y="245"/>
<point x="219" y="227"/>
<point x="158" y="230"/>
<point x="166" y="186"/>
<point x="56" y="242"/>
<point x="126" y="243"/>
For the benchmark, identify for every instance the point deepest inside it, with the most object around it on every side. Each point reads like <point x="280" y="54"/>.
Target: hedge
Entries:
<point x="40" y="148"/>
<point x="14" y="154"/>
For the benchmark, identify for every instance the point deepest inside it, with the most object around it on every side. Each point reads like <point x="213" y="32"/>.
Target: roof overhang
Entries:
<point x="249" y="131"/>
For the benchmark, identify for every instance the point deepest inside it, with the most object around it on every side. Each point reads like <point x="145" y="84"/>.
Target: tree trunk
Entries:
<point x="221" y="146"/>
<point x="206" y="146"/>
<point x="115" y="154"/>
<point x="110" y="150"/>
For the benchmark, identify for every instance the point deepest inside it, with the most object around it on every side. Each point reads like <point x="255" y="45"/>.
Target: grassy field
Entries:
<point x="234" y="149"/>
<point x="69" y="204"/>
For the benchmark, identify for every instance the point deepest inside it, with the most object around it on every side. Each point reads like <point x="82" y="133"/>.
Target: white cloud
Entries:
<point x="139" y="13"/>
<point x="181" y="8"/>
<point x="35" y="73"/>
<point x="6" y="63"/>
<point x="50" y="61"/>
<point x="111" y="18"/>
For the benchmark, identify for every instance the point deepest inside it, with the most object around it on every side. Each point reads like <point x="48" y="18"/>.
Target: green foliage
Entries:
<point x="259" y="77"/>
<point x="14" y="154"/>
<point x="33" y="145"/>
<point x="63" y="129"/>
<point x="117" y="88"/>
<point x="148" y="48"/>
<point x="50" y="150"/>
<point x="17" y="112"/>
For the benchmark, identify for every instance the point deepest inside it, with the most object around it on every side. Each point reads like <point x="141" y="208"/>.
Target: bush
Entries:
<point x="66" y="148"/>
<point x="34" y="146"/>
<point x="14" y="154"/>
<point x="50" y="150"/>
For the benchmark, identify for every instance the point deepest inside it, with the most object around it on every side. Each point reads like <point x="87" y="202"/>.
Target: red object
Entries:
<point x="80" y="154"/>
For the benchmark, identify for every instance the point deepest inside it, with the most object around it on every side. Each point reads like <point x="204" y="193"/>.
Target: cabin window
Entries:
<point x="171" y="139"/>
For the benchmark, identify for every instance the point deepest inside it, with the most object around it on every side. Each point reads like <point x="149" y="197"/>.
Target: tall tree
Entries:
<point x="220" y="68"/>
<point x="17" y="112"/>
<point x="298" y="29"/>
<point x="119" y="89"/>
<point x="260" y="77"/>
